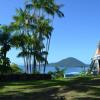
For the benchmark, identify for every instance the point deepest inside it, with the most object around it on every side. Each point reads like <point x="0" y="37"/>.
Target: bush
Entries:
<point x="15" y="69"/>
<point x="59" y="73"/>
<point x="24" y="77"/>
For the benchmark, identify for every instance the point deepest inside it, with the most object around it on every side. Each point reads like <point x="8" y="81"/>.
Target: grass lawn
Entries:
<point x="69" y="89"/>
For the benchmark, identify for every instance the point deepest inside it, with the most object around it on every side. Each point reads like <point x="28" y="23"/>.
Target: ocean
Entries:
<point x="68" y="70"/>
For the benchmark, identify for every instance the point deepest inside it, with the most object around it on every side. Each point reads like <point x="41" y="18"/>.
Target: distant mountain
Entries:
<point x="69" y="62"/>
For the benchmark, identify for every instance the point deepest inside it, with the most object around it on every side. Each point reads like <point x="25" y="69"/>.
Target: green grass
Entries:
<point x="81" y="88"/>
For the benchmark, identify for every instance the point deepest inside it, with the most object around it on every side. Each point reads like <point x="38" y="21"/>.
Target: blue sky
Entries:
<point x="75" y="35"/>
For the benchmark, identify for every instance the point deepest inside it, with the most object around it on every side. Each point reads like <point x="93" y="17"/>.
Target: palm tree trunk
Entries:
<point x="47" y="49"/>
<point x="4" y="63"/>
<point x="25" y="65"/>
<point x="39" y="66"/>
<point x="30" y="64"/>
<point x="34" y="67"/>
<point x="44" y="67"/>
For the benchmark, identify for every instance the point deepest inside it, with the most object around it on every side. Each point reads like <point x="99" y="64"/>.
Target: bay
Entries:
<point x="68" y="70"/>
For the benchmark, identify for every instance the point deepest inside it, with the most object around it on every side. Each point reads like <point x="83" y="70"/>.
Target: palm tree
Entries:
<point x="21" y="33"/>
<point x="5" y="38"/>
<point x="19" y="41"/>
<point x="35" y="22"/>
<point x="44" y="31"/>
<point x="45" y="11"/>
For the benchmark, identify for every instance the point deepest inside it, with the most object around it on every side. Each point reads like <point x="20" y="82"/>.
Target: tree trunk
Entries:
<point x="34" y="67"/>
<point x="30" y="64"/>
<point x="39" y="66"/>
<point x="44" y="67"/>
<point x="25" y="65"/>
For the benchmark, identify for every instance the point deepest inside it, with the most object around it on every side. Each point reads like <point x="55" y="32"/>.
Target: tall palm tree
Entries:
<point x="21" y="30"/>
<point x="35" y="22"/>
<point x="19" y="41"/>
<point x="44" y="30"/>
<point x="45" y="11"/>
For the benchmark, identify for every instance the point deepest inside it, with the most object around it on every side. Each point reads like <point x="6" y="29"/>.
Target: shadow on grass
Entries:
<point x="87" y="98"/>
<point x="49" y="83"/>
<point x="49" y="89"/>
<point x="50" y="94"/>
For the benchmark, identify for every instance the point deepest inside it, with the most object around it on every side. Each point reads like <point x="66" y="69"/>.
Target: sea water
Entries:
<point x="68" y="70"/>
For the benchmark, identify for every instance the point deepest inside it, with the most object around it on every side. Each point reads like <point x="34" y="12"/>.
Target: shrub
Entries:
<point x="58" y="73"/>
<point x="15" y="69"/>
<point x="24" y="77"/>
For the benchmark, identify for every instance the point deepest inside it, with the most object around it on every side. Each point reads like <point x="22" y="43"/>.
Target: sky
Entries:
<point x="75" y="35"/>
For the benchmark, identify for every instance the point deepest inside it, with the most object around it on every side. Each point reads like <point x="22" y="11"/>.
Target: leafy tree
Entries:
<point x="5" y="38"/>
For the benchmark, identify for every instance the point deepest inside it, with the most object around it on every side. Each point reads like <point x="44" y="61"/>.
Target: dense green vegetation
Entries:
<point x="30" y="32"/>
<point x="16" y="69"/>
<point x="81" y="88"/>
<point x="58" y="73"/>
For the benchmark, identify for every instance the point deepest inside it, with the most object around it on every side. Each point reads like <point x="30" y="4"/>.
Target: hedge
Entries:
<point x="24" y="77"/>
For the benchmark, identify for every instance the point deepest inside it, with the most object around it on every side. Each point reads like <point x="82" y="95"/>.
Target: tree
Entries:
<point x="33" y="24"/>
<point x="19" y="41"/>
<point x="5" y="38"/>
<point x="45" y="11"/>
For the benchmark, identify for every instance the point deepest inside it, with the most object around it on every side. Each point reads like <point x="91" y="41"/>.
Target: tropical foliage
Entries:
<point x="31" y="33"/>
<point x="58" y="73"/>
<point x="15" y="69"/>
<point x="5" y="39"/>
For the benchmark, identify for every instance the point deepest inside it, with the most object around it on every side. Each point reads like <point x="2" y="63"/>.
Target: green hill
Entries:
<point x="69" y="62"/>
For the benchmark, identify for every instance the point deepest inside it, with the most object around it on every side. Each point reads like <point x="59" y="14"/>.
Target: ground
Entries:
<point x="81" y="88"/>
